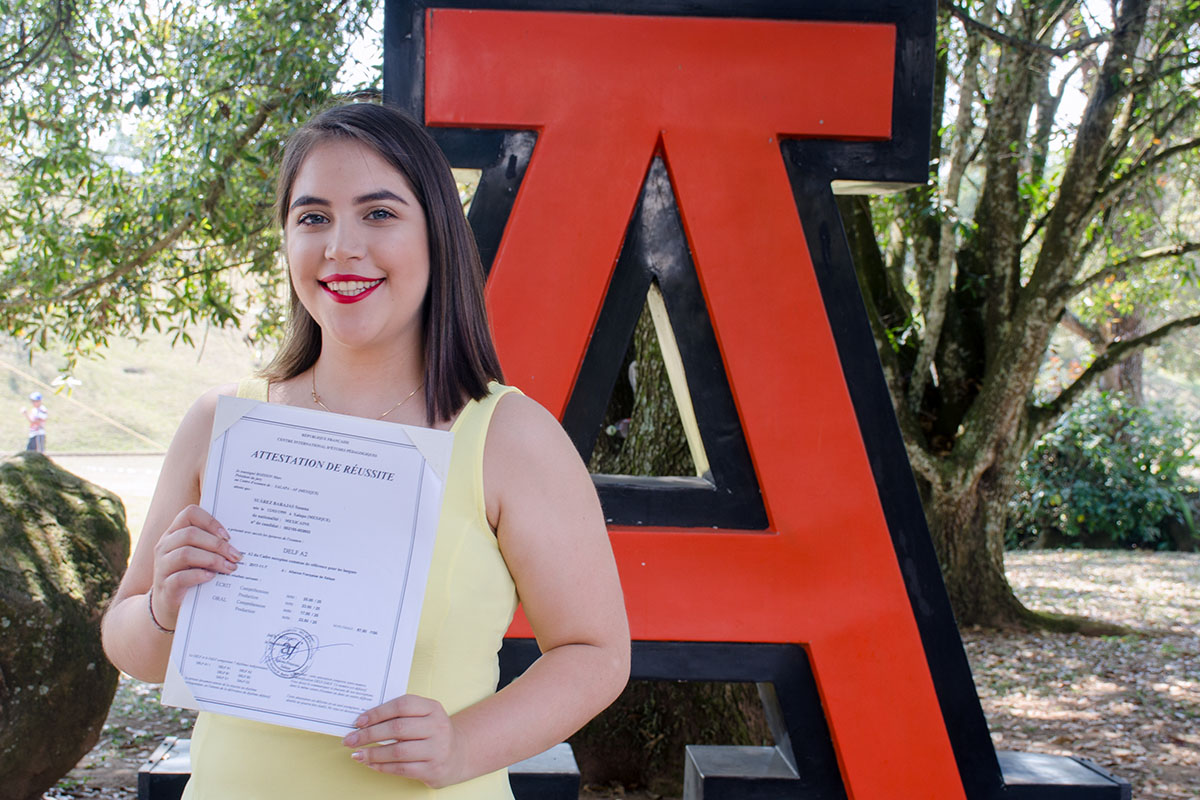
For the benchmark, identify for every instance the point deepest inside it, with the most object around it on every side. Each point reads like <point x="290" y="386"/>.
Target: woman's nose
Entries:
<point x="345" y="242"/>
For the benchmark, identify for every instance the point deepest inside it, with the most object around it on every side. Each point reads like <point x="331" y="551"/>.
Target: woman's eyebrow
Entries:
<point x="382" y="194"/>
<point x="307" y="200"/>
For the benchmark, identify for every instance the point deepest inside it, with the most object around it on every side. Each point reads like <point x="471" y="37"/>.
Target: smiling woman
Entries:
<point x="457" y="348"/>
<point x="387" y="300"/>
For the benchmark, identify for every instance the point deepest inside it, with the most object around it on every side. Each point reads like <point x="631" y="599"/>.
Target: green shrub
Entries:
<point x="1108" y="475"/>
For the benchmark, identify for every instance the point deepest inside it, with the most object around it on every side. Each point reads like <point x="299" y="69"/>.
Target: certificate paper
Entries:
<point x="336" y="518"/>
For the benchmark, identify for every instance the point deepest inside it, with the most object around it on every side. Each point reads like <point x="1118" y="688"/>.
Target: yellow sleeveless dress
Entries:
<point x="469" y="602"/>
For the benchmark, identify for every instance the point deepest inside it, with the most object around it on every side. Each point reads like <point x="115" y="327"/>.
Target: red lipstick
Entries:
<point x="348" y="288"/>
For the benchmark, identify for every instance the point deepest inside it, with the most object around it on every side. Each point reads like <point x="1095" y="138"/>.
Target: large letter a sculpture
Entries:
<point x="598" y="132"/>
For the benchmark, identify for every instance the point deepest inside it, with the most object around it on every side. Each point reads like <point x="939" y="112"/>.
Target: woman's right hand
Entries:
<point x="194" y="549"/>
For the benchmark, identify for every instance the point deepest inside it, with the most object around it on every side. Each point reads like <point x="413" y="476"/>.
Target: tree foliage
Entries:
<point x="137" y="144"/>
<point x="1042" y="207"/>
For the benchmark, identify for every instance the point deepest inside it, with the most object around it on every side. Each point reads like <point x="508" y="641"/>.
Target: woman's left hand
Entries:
<point x="411" y="736"/>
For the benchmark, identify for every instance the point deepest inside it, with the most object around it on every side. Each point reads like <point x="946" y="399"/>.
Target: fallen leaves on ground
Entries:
<point x="137" y="723"/>
<point x="1131" y="703"/>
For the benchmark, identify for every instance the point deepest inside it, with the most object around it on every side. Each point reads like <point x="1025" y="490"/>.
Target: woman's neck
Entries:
<point x="369" y="384"/>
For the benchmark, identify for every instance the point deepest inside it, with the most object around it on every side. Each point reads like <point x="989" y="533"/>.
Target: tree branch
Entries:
<point x="933" y="302"/>
<point x="1162" y="129"/>
<point x="922" y="462"/>
<point x="1043" y="416"/>
<point x="1075" y="325"/>
<point x="183" y="276"/>
<point x="56" y="29"/>
<point x="1151" y="78"/>
<point x="1036" y="228"/>
<point x="1078" y="190"/>
<point x="1115" y="269"/>
<point x="1144" y="165"/>
<point x="216" y="188"/>
<point x="1121" y="141"/>
<point x="1058" y="96"/>
<point x="883" y="310"/>
<point x="1015" y="42"/>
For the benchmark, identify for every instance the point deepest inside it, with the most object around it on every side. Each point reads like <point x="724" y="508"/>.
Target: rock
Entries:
<point x="63" y="549"/>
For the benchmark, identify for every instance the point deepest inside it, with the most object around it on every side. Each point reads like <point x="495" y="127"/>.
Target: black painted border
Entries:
<point x="656" y="250"/>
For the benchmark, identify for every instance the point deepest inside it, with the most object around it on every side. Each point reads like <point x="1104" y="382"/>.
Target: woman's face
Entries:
<point x="357" y="248"/>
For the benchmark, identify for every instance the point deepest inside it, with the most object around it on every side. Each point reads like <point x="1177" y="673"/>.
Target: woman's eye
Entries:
<point x="380" y="213"/>
<point x="310" y="218"/>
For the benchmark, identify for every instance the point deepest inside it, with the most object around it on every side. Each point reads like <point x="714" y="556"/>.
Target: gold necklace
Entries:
<point x="317" y="398"/>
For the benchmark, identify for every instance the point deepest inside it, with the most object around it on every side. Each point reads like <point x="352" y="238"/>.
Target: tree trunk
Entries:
<point x="643" y="434"/>
<point x="967" y="525"/>
<point x="639" y="739"/>
<point x="1126" y="376"/>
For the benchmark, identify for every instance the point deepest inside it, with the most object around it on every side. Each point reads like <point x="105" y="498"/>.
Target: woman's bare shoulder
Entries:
<point x="522" y="428"/>
<point x="206" y="404"/>
<point x="196" y="427"/>
<point x="530" y="465"/>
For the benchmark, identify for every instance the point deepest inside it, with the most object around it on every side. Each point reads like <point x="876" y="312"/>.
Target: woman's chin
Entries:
<point x="362" y="339"/>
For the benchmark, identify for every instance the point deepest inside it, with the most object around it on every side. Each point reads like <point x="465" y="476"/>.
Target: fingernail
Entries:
<point x="358" y="755"/>
<point x="362" y="720"/>
<point x="350" y="740"/>
<point x="223" y="533"/>
<point x="237" y="554"/>
<point x="232" y="566"/>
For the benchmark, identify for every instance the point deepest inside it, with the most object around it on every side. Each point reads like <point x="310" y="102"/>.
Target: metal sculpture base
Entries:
<point x="765" y="773"/>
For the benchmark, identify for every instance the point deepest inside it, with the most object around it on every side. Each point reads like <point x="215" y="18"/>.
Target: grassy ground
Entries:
<point x="1130" y="704"/>
<point x="130" y="400"/>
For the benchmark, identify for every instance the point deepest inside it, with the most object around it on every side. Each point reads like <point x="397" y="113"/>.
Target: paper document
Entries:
<point x="336" y="518"/>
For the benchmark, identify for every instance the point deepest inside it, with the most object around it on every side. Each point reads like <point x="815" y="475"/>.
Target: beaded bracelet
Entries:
<point x="154" y="619"/>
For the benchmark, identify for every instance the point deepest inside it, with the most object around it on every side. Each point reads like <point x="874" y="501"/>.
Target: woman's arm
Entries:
<point x="552" y="535"/>
<point x="181" y="545"/>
